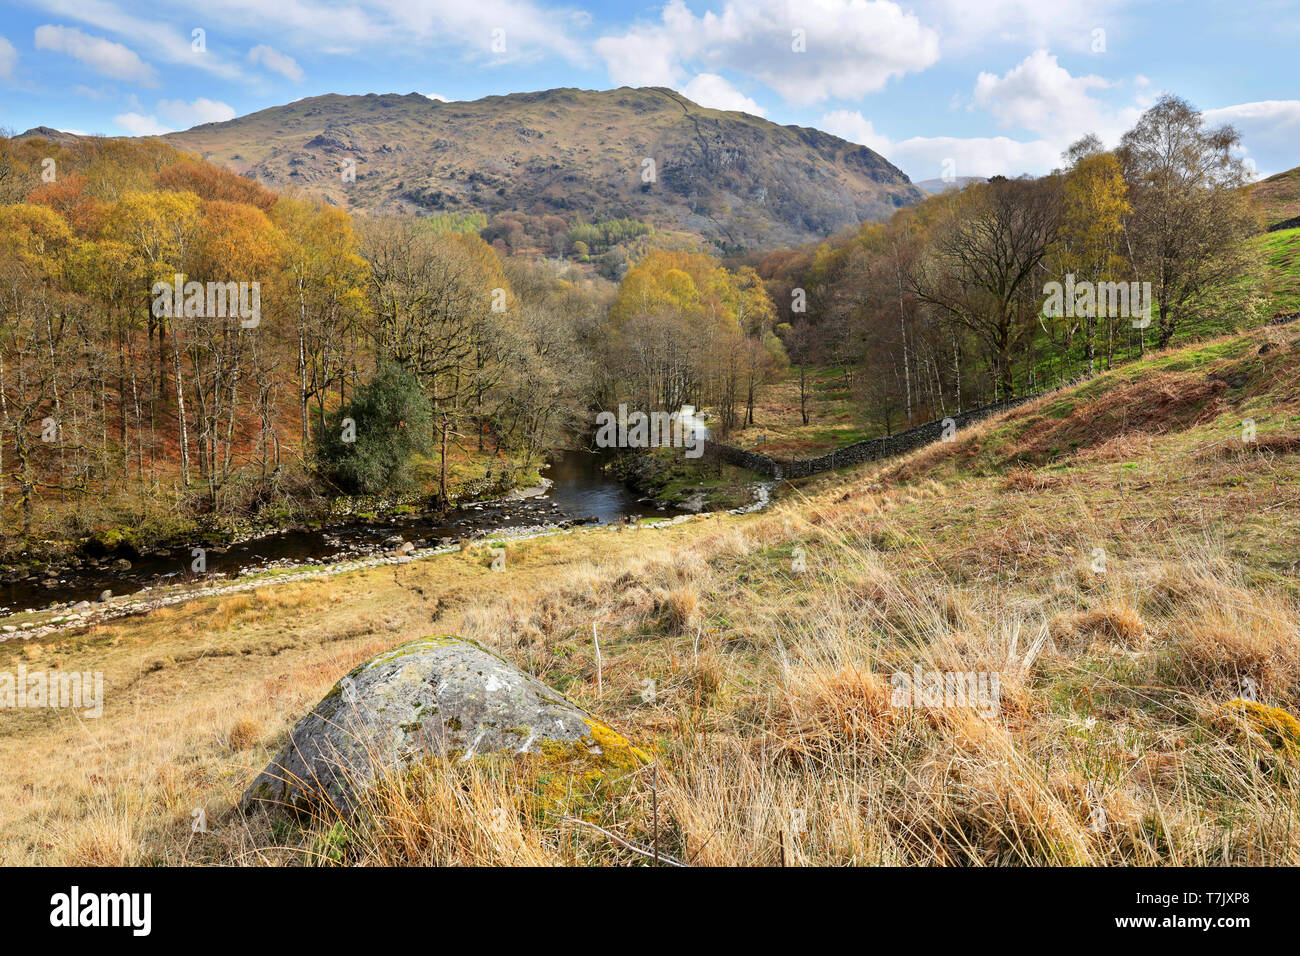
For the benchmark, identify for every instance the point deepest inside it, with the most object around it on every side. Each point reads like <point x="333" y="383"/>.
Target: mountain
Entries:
<point x="53" y="135"/>
<point x="943" y="185"/>
<point x="1279" y="198"/>
<point x="735" y="179"/>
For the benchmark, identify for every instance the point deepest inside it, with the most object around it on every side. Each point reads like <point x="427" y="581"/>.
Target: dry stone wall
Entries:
<point x="872" y="449"/>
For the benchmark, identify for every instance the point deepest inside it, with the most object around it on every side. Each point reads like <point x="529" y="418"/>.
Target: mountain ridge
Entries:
<point x="732" y="178"/>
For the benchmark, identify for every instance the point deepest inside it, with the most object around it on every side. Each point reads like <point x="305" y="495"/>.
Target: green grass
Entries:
<point x="1283" y="251"/>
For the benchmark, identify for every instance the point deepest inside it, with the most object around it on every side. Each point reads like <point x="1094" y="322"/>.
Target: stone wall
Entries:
<point x="872" y="449"/>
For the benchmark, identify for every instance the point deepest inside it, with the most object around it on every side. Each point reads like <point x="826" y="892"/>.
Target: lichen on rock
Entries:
<point x="442" y="697"/>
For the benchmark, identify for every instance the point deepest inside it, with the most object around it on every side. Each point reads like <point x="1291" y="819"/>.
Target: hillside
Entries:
<point x="943" y="185"/>
<point x="1114" y="551"/>
<point x="1279" y="198"/>
<point x="735" y="179"/>
<point x="1281" y="248"/>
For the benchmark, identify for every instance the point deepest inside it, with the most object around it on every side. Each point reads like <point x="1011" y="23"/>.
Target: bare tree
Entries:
<point x="982" y="267"/>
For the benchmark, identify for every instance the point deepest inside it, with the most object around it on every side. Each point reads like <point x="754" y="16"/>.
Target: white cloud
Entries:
<point x="466" y="27"/>
<point x="8" y="58"/>
<point x="180" y="114"/>
<point x="856" y="128"/>
<point x="95" y="92"/>
<point x="715" y="92"/>
<point x="1063" y="24"/>
<point x="851" y="47"/>
<point x="104" y="56"/>
<point x="529" y="31"/>
<point x="929" y="157"/>
<point x="165" y="43"/>
<point x="1041" y="96"/>
<point x="1270" y="130"/>
<point x="648" y="55"/>
<point x="437" y="97"/>
<point x="382" y="27"/>
<point x="275" y="61"/>
<point x="201" y="110"/>
<point x="138" y="125"/>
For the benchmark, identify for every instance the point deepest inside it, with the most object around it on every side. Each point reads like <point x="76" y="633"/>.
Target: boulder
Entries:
<point x="435" y="697"/>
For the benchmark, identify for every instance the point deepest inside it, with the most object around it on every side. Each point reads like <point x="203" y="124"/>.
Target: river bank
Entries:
<point x="580" y="488"/>
<point x="32" y="623"/>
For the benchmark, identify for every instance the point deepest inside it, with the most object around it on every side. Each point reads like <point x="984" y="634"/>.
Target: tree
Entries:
<point x="325" y="278"/>
<point x="235" y="245"/>
<point x="679" y="328"/>
<point x="1090" y="241"/>
<point x="1189" y="218"/>
<point x="41" y="363"/>
<point x="367" y="445"/>
<point x="982" y="267"/>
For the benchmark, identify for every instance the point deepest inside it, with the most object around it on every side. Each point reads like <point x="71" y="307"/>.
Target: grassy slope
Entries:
<point x="770" y="709"/>
<point x="1279" y="195"/>
<point x="1283" y="251"/>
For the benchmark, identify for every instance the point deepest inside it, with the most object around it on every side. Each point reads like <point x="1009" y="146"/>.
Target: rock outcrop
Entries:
<point x="442" y="697"/>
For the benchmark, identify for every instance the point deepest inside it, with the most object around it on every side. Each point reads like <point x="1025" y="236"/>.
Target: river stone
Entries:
<point x="435" y="696"/>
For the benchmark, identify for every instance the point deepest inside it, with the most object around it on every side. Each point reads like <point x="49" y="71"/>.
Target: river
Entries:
<point x="580" y="492"/>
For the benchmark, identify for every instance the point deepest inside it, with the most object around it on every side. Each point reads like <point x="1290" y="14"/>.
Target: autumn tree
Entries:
<point x="1189" y="218"/>
<point x="324" y="280"/>
<point x="1090" y="242"/>
<point x="982" y="270"/>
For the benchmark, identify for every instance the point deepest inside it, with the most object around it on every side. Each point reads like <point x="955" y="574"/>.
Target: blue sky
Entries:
<point x="937" y="86"/>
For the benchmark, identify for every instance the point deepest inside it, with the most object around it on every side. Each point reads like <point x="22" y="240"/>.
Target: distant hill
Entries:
<point x="1279" y="198"/>
<point x="735" y="179"/>
<point x="943" y="185"/>
<point x="53" y="135"/>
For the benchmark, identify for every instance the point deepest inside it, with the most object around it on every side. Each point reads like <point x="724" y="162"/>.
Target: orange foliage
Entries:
<point x="211" y="182"/>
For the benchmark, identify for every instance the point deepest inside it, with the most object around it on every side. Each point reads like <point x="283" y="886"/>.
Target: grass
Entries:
<point x="836" y="417"/>
<point x="1278" y="196"/>
<point x="1116" y="553"/>
<point x="1283" y="251"/>
<point x="666" y="474"/>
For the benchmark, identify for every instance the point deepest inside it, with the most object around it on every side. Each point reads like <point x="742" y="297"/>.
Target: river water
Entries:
<point x="581" y="492"/>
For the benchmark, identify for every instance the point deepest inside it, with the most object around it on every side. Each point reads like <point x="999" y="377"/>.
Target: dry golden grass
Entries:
<point x="754" y="657"/>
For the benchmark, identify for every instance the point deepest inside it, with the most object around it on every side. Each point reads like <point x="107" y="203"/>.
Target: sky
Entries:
<point x="938" y="87"/>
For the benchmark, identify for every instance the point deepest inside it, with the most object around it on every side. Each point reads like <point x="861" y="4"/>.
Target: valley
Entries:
<point x="310" y="455"/>
<point x="771" y="690"/>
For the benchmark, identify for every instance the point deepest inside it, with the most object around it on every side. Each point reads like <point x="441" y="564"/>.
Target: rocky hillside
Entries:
<point x="732" y="178"/>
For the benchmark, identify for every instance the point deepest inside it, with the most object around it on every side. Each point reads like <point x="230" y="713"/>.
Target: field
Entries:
<point x="1116" y="552"/>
